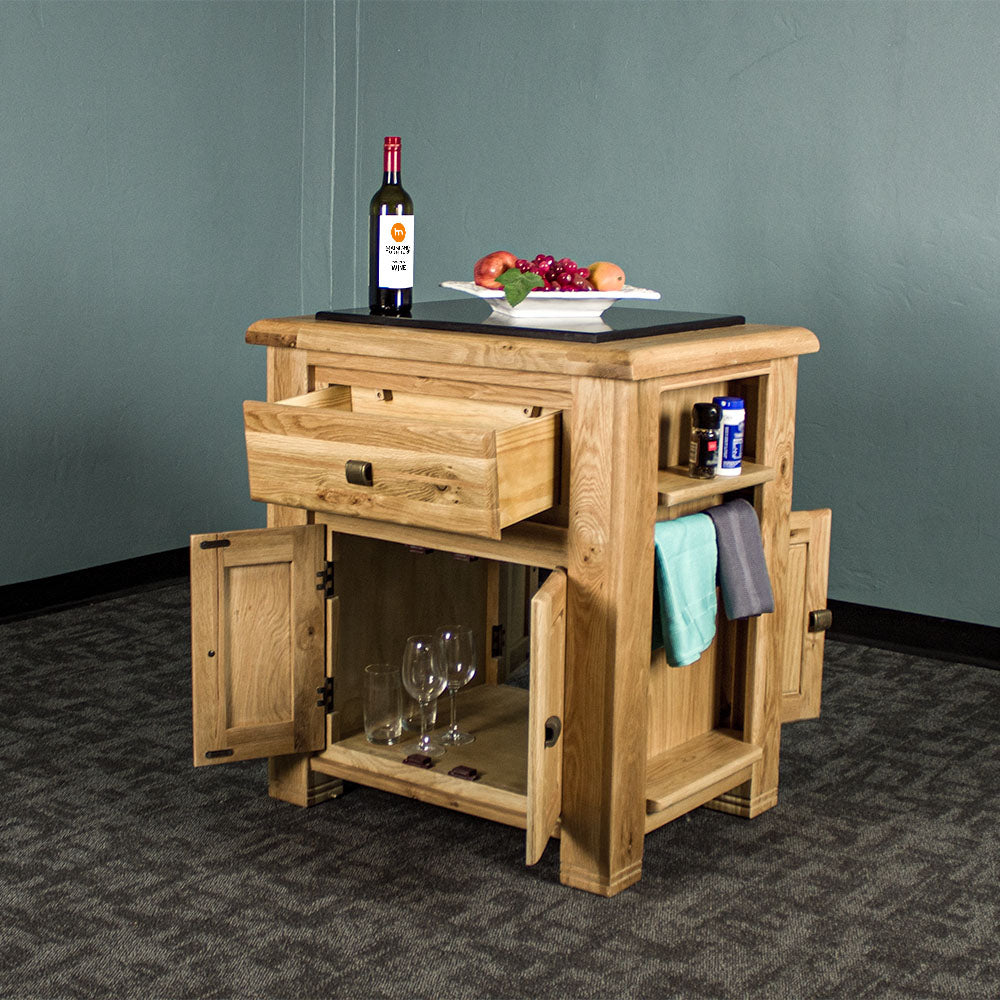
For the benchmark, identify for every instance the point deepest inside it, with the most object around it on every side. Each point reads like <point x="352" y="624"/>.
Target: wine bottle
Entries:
<point x="390" y="240"/>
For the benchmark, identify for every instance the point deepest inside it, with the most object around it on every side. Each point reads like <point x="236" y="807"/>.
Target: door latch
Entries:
<point x="553" y="727"/>
<point x="820" y="620"/>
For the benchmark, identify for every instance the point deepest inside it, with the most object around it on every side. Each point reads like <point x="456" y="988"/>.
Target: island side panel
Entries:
<point x="612" y="498"/>
<point x="762" y="696"/>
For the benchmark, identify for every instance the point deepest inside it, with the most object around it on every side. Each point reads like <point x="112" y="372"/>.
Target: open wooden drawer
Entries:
<point x="459" y="465"/>
<point x="260" y="664"/>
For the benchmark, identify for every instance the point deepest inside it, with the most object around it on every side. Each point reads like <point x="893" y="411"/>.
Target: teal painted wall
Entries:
<point x="166" y="180"/>
<point x="151" y="167"/>
<point x="830" y="165"/>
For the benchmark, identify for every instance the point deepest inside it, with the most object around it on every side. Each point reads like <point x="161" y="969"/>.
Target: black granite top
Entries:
<point x="619" y="322"/>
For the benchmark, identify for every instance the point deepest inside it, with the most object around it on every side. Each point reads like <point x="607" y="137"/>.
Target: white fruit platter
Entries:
<point x="551" y="305"/>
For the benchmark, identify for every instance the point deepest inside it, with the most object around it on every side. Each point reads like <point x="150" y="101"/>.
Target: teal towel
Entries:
<point x="684" y="601"/>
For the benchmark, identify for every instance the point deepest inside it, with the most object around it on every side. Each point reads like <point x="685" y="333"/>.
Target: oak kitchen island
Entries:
<point x="417" y="475"/>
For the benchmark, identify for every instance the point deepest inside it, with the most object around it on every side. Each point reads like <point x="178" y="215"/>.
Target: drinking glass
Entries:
<point x="424" y="677"/>
<point x="458" y="644"/>
<point x="383" y="704"/>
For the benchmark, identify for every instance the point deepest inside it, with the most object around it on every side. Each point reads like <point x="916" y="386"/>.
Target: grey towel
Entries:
<point x="743" y="579"/>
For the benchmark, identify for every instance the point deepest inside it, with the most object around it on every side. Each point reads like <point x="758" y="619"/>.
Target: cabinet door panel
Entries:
<point x="545" y="713"/>
<point x="258" y="640"/>
<point x="802" y="647"/>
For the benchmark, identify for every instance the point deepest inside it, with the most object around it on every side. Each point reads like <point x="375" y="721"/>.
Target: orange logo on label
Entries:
<point x="398" y="232"/>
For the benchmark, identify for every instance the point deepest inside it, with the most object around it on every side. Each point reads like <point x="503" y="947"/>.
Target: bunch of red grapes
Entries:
<point x="559" y="275"/>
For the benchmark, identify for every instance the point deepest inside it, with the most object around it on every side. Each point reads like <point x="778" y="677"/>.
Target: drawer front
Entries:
<point x="424" y="469"/>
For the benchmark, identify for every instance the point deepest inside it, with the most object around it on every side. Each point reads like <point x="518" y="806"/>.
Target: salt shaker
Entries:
<point x="731" y="434"/>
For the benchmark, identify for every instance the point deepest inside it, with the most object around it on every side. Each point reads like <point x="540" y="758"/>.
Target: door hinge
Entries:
<point x="325" y="577"/>
<point x="498" y="641"/>
<point x="325" y="700"/>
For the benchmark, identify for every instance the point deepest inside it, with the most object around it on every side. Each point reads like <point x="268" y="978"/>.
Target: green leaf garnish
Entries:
<point x="517" y="284"/>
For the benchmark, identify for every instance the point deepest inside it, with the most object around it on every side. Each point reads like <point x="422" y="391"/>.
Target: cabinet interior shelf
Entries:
<point x="675" y="486"/>
<point x="496" y="714"/>
<point x="684" y="777"/>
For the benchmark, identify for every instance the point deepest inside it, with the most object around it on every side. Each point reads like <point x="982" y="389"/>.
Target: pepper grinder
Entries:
<point x="703" y="459"/>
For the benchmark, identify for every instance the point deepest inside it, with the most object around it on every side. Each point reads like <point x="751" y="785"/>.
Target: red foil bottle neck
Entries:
<point x="390" y="155"/>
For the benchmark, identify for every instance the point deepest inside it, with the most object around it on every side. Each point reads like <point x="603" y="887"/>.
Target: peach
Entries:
<point x="606" y="277"/>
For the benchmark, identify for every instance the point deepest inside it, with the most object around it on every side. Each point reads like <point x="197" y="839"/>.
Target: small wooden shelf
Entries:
<point x="675" y="486"/>
<point x="497" y="715"/>
<point x="688" y="776"/>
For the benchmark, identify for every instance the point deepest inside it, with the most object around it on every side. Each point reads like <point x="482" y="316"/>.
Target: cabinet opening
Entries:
<point x="695" y="747"/>
<point x="678" y="492"/>
<point x="675" y="418"/>
<point x="385" y="592"/>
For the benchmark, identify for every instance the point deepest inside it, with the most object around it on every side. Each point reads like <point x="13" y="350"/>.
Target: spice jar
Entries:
<point x="703" y="459"/>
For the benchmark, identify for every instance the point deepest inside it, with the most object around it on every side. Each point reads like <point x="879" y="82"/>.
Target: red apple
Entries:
<point x="487" y="268"/>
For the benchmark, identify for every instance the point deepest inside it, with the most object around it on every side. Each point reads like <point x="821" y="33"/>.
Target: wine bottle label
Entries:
<point x="395" y="251"/>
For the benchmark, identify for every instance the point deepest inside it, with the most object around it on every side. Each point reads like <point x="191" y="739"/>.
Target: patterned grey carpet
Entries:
<point x="126" y="873"/>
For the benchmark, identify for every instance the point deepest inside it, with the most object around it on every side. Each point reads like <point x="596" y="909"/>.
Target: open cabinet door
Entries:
<point x="545" y="712"/>
<point x="258" y="642"/>
<point x="806" y="621"/>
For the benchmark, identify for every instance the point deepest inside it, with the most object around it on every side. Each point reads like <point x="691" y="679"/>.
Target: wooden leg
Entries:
<point x="289" y="779"/>
<point x="614" y="435"/>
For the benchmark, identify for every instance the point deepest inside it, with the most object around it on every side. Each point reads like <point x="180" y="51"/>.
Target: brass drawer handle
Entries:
<point x="359" y="473"/>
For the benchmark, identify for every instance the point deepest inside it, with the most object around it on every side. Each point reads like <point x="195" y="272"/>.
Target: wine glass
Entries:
<point x="425" y="678"/>
<point x="458" y="644"/>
